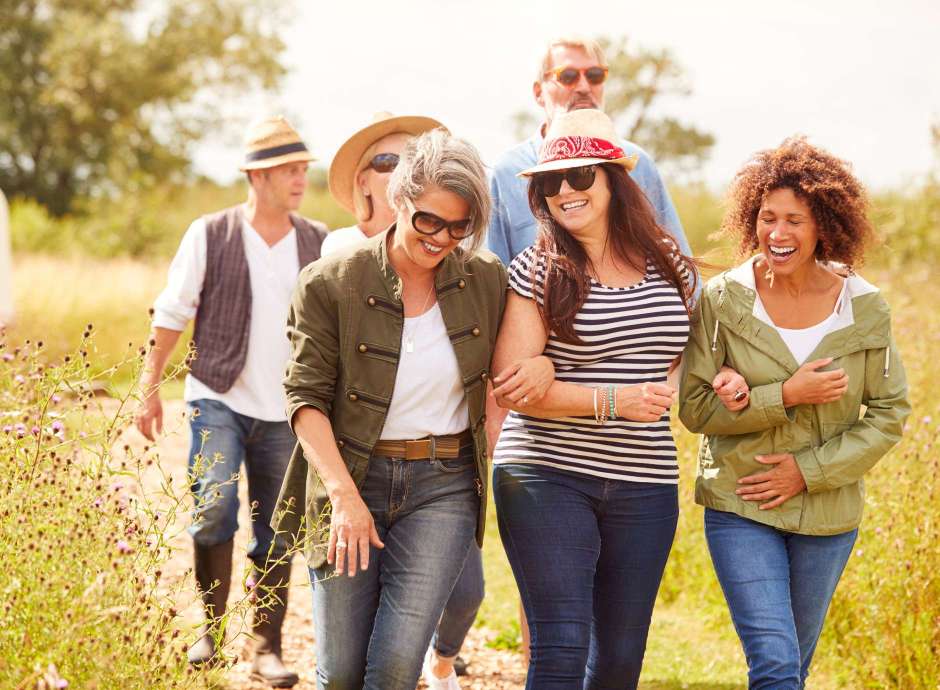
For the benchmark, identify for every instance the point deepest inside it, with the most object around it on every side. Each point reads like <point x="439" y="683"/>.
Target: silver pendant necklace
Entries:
<point x="410" y="338"/>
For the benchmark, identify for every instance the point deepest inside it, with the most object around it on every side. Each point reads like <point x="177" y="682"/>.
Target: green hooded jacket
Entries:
<point x="834" y="443"/>
<point x="345" y="327"/>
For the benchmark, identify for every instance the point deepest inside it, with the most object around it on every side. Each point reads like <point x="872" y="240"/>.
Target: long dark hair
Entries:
<point x="632" y="229"/>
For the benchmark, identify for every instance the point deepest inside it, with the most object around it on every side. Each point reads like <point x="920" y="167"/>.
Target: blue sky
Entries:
<point x="859" y="78"/>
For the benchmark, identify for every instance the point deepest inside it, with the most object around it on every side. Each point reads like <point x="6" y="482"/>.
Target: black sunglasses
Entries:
<point x="383" y="162"/>
<point x="429" y="224"/>
<point x="580" y="179"/>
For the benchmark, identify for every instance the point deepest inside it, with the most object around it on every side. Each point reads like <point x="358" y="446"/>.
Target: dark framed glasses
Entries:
<point x="569" y="76"/>
<point x="580" y="179"/>
<point x="383" y="162"/>
<point x="429" y="224"/>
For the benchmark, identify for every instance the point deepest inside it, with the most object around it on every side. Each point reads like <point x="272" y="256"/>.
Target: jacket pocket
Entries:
<point x="830" y="430"/>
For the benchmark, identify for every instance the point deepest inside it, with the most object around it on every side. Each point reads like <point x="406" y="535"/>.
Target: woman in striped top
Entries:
<point x="585" y="478"/>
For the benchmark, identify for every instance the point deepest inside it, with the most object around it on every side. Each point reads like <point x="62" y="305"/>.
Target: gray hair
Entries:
<point x="439" y="159"/>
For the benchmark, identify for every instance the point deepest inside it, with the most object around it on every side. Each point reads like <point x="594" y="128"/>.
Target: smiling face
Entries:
<point x="582" y="213"/>
<point x="374" y="184"/>
<point x="555" y="97"/>
<point x="786" y="232"/>
<point x="410" y="249"/>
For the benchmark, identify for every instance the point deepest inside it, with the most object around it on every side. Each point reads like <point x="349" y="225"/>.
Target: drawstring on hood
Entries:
<point x="715" y="338"/>
<point x="887" y="361"/>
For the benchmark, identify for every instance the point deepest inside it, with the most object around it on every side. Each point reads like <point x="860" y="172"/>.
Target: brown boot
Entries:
<point x="266" y="627"/>
<point x="213" y="577"/>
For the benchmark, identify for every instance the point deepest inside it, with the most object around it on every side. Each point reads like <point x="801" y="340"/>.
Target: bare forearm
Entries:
<point x="164" y="340"/>
<point x="561" y="400"/>
<point x="315" y="434"/>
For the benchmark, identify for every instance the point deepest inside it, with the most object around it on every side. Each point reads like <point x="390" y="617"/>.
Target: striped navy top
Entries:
<point x="630" y="336"/>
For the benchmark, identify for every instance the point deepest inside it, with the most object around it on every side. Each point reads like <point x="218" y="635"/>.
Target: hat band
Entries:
<point x="566" y="148"/>
<point x="274" y="151"/>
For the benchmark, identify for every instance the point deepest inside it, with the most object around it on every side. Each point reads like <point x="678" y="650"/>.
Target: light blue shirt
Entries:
<point x="512" y="225"/>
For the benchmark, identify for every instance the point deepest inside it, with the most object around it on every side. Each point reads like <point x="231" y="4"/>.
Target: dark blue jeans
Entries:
<point x="373" y="629"/>
<point x="462" y="606"/>
<point x="225" y="439"/>
<point x="588" y="555"/>
<point x="778" y="586"/>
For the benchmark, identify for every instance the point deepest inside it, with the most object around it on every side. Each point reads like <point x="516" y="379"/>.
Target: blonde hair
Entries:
<point x="588" y="45"/>
<point x="362" y="204"/>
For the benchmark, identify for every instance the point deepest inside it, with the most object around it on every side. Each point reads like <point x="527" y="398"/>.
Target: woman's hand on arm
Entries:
<point x="731" y="389"/>
<point x="777" y="485"/>
<point x="525" y="381"/>
<point x="808" y="386"/>
<point x="352" y="528"/>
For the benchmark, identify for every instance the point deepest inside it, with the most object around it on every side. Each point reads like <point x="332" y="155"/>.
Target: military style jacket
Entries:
<point x="345" y="327"/>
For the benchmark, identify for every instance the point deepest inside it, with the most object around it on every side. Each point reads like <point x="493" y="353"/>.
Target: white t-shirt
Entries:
<point x="342" y="237"/>
<point x="429" y="398"/>
<point x="801" y="341"/>
<point x="257" y="392"/>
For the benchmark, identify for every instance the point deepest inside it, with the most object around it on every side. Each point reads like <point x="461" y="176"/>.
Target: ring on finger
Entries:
<point x="340" y="545"/>
<point x="525" y="399"/>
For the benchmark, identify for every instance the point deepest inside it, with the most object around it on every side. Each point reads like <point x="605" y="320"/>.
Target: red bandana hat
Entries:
<point x="577" y="138"/>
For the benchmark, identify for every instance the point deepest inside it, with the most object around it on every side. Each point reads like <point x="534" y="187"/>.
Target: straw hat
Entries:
<point x="273" y="142"/>
<point x="343" y="168"/>
<point x="577" y="138"/>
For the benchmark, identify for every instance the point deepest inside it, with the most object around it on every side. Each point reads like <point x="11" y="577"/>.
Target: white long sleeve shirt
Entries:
<point x="257" y="392"/>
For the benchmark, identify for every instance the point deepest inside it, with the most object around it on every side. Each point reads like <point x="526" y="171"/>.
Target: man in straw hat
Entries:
<point x="234" y="273"/>
<point x="360" y="171"/>
<point x="571" y="76"/>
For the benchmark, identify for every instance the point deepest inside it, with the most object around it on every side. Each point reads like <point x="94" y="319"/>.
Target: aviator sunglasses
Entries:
<point x="569" y="76"/>
<point x="579" y="179"/>
<point x="383" y="162"/>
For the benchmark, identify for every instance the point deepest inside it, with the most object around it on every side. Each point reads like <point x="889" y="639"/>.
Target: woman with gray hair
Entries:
<point x="387" y="391"/>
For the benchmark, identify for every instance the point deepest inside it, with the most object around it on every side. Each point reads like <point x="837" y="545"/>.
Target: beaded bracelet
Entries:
<point x="612" y="399"/>
<point x="603" y="415"/>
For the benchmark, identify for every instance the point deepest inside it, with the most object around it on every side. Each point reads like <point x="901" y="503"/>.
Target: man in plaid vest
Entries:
<point x="234" y="273"/>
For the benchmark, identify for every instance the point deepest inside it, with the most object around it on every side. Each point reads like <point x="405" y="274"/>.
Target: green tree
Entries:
<point x="639" y="81"/>
<point x="98" y="96"/>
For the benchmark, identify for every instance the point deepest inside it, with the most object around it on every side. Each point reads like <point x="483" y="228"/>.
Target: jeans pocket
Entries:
<point x="454" y="465"/>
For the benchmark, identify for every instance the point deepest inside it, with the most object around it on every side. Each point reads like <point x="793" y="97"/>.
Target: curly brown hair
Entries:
<point x="835" y="196"/>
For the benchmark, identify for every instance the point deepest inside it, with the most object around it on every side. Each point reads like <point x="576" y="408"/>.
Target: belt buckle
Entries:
<point x="433" y="454"/>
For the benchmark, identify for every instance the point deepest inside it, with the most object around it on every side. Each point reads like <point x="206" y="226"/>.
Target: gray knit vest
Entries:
<point x="224" y="314"/>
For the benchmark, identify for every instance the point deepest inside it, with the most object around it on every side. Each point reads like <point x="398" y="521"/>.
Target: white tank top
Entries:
<point x="429" y="398"/>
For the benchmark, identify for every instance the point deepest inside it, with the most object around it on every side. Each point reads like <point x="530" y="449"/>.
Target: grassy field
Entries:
<point x="884" y="627"/>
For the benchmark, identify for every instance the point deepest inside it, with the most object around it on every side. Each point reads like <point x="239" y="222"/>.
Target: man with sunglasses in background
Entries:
<point x="234" y="273"/>
<point x="571" y="76"/>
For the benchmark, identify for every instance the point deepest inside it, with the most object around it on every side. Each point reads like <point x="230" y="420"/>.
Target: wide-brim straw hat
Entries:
<point x="578" y="138"/>
<point x="343" y="168"/>
<point x="272" y="142"/>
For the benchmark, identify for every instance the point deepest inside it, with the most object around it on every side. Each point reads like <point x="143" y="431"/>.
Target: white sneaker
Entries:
<point x="432" y="681"/>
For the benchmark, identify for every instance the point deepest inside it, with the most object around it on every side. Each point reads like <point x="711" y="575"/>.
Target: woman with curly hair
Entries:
<point x="780" y="474"/>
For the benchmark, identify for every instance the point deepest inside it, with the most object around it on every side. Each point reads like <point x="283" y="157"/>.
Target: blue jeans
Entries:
<point x="230" y="439"/>
<point x="373" y="629"/>
<point x="778" y="586"/>
<point x="588" y="555"/>
<point x="462" y="606"/>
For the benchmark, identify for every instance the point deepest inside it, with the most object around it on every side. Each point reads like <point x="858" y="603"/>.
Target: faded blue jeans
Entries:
<point x="462" y="606"/>
<point x="778" y="586"/>
<point x="588" y="555"/>
<point x="373" y="629"/>
<point x="232" y="439"/>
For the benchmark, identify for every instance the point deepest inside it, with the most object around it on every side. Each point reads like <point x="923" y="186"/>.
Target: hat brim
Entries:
<point x="343" y="168"/>
<point x="296" y="157"/>
<point x="629" y="162"/>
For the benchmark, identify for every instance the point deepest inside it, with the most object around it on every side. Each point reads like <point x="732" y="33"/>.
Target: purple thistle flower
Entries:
<point x="7" y="357"/>
<point x="35" y="431"/>
<point x="97" y="502"/>
<point x="7" y="429"/>
<point x="56" y="399"/>
<point x="61" y="683"/>
<point x="58" y="426"/>
<point x="19" y="379"/>
<point x="927" y="419"/>
<point x="123" y="546"/>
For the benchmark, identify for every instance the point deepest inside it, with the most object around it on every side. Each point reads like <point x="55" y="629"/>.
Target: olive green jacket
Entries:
<point x="345" y="327"/>
<point x="833" y="443"/>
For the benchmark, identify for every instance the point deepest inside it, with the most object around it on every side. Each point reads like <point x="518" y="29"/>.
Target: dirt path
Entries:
<point x="489" y="669"/>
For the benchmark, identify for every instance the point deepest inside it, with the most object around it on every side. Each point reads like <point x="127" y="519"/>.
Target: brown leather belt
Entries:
<point x="425" y="448"/>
